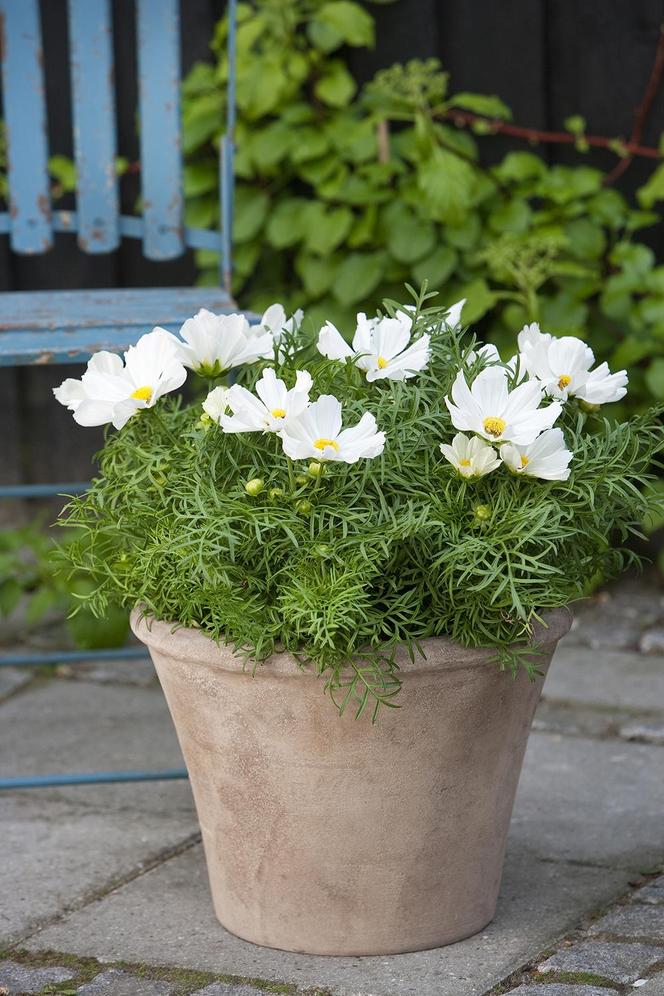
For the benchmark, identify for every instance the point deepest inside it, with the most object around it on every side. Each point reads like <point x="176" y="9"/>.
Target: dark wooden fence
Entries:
<point x="546" y="58"/>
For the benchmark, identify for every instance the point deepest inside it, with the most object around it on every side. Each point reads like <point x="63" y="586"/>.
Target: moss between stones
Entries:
<point x="186" y="980"/>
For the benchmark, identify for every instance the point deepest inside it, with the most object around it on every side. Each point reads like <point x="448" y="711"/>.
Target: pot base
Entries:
<point x="327" y="835"/>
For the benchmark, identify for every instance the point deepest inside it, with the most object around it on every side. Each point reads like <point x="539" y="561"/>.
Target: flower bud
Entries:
<point x="315" y="469"/>
<point x="254" y="486"/>
<point x="302" y="480"/>
<point x="482" y="513"/>
<point x="304" y="507"/>
<point x="274" y="494"/>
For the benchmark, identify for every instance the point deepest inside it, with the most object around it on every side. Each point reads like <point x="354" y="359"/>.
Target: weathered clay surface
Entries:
<point x="328" y="835"/>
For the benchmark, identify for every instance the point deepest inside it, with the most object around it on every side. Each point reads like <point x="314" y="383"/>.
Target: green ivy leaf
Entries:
<point x="285" y="226"/>
<point x="325" y="229"/>
<point x="520" y="166"/>
<point x="655" y="378"/>
<point x="10" y="595"/>
<point x="653" y="190"/>
<point x="635" y="260"/>
<point x="249" y="213"/>
<point x="349" y="21"/>
<point x="480" y="299"/>
<point x="317" y="274"/>
<point x="436" y="268"/>
<point x="323" y="37"/>
<point x="479" y="103"/>
<point x="515" y="216"/>
<point x="408" y="236"/>
<point x="447" y="182"/>
<point x="202" y="119"/>
<point x="336" y="87"/>
<point x="586" y="240"/>
<point x="308" y="143"/>
<point x="200" y="177"/>
<point x="270" y="145"/>
<point x="563" y="315"/>
<point x="91" y="633"/>
<point x="357" y="276"/>
<point x="63" y="170"/>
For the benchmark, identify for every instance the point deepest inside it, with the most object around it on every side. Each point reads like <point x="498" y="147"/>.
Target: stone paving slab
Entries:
<point x="15" y="978"/>
<point x="581" y="803"/>
<point x="622" y="963"/>
<point x="633" y="921"/>
<point x="653" y="987"/>
<point x="561" y="989"/>
<point x="60" y="845"/>
<point x="115" y="982"/>
<point x="595" y="801"/>
<point x="13" y="678"/>
<point x="166" y="918"/>
<point x="614" y="679"/>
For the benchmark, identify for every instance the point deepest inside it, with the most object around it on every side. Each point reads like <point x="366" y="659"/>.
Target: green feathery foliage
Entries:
<point x="342" y="567"/>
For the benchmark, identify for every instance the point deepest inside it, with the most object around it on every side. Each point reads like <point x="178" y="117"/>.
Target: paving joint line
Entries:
<point x="161" y="858"/>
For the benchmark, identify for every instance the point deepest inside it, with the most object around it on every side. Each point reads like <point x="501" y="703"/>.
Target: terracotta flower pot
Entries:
<point x="328" y="835"/>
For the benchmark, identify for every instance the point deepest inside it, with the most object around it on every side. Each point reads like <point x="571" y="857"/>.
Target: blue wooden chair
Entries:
<point x="68" y="326"/>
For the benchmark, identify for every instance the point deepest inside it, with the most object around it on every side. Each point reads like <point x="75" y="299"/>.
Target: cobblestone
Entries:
<point x="617" y="962"/>
<point x="653" y="987"/>
<point x="633" y="921"/>
<point x="561" y="989"/>
<point x="115" y="982"/>
<point x="649" y="733"/>
<point x="650" y="894"/>
<point x="15" y="978"/>
<point x="229" y="989"/>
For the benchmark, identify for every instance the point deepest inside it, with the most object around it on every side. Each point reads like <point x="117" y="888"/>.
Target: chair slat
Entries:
<point x="158" y="32"/>
<point x="25" y="124"/>
<point x="94" y="124"/>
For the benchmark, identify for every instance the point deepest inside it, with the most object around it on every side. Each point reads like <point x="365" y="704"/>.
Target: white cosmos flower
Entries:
<point x="491" y="410"/>
<point x="272" y="409"/>
<point x="216" y="403"/>
<point x="563" y="367"/>
<point x="275" y="322"/>
<point x="380" y="347"/>
<point x="471" y="456"/>
<point x="547" y="458"/>
<point x="602" y="387"/>
<point x="452" y="316"/>
<point x="530" y="337"/>
<point x="110" y="391"/>
<point x="216" y="343"/>
<point x="317" y="433"/>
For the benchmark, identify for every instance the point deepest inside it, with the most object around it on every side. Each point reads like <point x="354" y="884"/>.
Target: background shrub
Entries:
<point x="343" y="195"/>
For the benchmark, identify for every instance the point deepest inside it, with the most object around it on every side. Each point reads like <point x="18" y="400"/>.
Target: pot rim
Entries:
<point x="194" y="646"/>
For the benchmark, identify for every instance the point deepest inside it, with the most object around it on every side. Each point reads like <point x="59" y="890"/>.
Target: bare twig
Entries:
<point x="643" y="110"/>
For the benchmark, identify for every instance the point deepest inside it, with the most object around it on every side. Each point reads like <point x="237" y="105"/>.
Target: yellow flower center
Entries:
<point x="494" y="426"/>
<point x="142" y="394"/>
<point x="382" y="362"/>
<point x="321" y="444"/>
<point x="464" y="463"/>
<point x="524" y="461"/>
<point x="564" y="381"/>
<point x="278" y="413"/>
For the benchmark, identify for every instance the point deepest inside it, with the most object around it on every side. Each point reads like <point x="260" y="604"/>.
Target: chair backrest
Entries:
<point x="30" y="222"/>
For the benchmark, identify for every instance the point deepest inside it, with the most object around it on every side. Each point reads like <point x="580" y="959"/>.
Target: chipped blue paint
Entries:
<point x="43" y="327"/>
<point x="158" y="32"/>
<point x="25" y="126"/>
<point x="133" y="228"/>
<point x="94" y="124"/>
